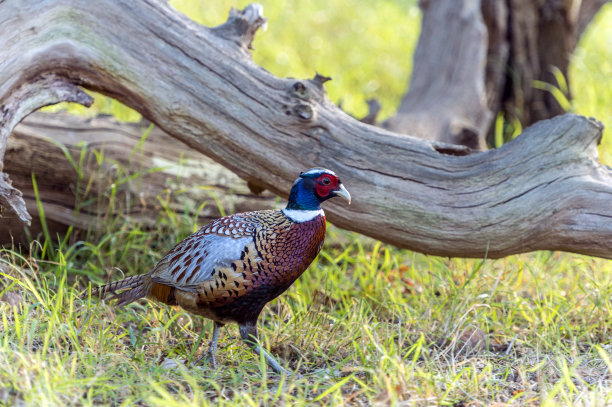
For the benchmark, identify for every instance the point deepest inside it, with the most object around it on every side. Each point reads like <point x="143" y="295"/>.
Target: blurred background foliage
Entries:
<point x="367" y="50"/>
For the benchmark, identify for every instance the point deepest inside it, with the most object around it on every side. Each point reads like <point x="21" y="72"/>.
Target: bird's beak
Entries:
<point x="343" y="193"/>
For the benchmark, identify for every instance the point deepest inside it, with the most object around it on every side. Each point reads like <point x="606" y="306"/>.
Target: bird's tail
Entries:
<point x="133" y="288"/>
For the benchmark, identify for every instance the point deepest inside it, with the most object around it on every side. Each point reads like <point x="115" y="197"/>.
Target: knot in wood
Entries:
<point x="255" y="187"/>
<point x="304" y="112"/>
<point x="299" y="89"/>
<point x="321" y="79"/>
<point x="311" y="89"/>
<point x="242" y="25"/>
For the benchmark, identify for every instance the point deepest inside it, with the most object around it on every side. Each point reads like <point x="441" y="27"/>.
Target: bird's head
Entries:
<point x="315" y="186"/>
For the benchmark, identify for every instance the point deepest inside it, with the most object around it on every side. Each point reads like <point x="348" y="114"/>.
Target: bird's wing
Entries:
<point x="215" y="246"/>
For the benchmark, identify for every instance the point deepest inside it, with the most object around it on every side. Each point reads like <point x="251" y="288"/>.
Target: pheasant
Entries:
<point x="232" y="267"/>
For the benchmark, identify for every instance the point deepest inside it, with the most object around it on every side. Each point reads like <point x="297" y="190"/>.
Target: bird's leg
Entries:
<point x="248" y="333"/>
<point x="212" y="345"/>
<point x="212" y="348"/>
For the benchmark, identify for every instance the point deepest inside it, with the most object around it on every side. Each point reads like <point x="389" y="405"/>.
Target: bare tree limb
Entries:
<point x="544" y="190"/>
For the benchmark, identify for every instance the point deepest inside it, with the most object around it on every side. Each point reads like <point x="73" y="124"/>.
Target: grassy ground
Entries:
<point x="366" y="324"/>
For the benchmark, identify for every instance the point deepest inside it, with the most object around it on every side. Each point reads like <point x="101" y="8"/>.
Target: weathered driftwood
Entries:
<point x="544" y="190"/>
<point x="43" y="90"/>
<point x="106" y="152"/>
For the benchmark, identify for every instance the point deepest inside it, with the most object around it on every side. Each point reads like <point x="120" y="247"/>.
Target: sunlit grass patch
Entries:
<point x="365" y="322"/>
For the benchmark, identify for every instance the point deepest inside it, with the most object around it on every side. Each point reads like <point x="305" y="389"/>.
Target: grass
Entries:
<point x="366" y="324"/>
<point x="392" y="325"/>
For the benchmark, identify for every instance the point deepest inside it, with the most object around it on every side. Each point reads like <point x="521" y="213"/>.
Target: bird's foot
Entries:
<point x="210" y="353"/>
<point x="212" y="358"/>
<point x="212" y="346"/>
<point x="273" y="363"/>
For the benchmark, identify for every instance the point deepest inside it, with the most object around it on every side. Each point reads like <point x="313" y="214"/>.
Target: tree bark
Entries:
<point x="142" y="170"/>
<point x="446" y="99"/>
<point x="531" y="43"/>
<point x="588" y="10"/>
<point x="544" y="190"/>
<point x="478" y="58"/>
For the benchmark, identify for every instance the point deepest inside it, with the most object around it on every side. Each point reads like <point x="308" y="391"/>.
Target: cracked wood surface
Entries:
<point x="544" y="190"/>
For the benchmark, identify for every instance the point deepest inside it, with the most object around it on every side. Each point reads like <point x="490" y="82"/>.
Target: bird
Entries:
<point x="231" y="268"/>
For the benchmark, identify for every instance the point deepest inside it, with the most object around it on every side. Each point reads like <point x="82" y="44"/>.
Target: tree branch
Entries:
<point x="544" y="190"/>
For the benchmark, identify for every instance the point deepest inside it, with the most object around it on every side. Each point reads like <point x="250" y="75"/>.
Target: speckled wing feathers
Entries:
<point x="193" y="260"/>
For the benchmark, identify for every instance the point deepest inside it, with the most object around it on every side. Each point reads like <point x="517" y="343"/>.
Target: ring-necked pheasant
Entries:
<point x="229" y="269"/>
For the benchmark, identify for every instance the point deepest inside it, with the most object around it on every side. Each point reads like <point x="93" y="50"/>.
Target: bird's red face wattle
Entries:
<point x="325" y="184"/>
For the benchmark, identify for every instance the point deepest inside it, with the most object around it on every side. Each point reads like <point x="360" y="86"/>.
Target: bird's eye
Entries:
<point x="326" y="181"/>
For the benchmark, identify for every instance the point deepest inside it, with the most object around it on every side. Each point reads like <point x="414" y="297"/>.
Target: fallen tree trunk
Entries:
<point x="544" y="190"/>
<point x="142" y="170"/>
